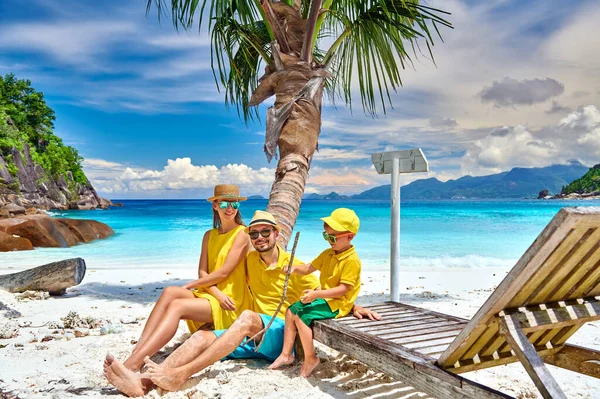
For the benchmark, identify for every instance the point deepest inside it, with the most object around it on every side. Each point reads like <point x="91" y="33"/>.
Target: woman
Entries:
<point x="220" y="294"/>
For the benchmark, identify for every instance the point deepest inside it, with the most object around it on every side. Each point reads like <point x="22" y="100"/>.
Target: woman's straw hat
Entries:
<point x="226" y="192"/>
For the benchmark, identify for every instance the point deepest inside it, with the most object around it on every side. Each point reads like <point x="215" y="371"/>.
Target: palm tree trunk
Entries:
<point x="286" y="193"/>
<point x="297" y="144"/>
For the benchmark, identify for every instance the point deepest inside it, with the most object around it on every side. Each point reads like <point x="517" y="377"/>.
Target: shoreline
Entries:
<point x="125" y="297"/>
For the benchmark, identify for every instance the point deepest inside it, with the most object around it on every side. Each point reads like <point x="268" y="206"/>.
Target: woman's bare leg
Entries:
<point x="168" y="295"/>
<point x="197" y="309"/>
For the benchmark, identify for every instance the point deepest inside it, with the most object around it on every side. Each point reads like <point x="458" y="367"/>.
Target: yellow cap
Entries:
<point x="343" y="219"/>
<point x="262" y="217"/>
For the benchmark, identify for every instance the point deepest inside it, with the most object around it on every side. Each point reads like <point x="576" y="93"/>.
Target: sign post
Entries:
<point x="394" y="163"/>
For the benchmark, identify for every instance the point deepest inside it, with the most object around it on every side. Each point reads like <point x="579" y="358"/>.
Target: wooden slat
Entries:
<point x="386" y="321"/>
<point x="529" y="358"/>
<point x="591" y="280"/>
<point x="564" y="266"/>
<point x="419" y="330"/>
<point x="557" y="317"/>
<point x="421" y="338"/>
<point x="429" y="343"/>
<point x="572" y="281"/>
<point x="499" y="359"/>
<point x="406" y="365"/>
<point x="560" y="254"/>
<point x="487" y="343"/>
<point x="411" y="325"/>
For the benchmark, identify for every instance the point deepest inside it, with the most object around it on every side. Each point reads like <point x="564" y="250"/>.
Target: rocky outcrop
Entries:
<point x="28" y="231"/>
<point x="33" y="187"/>
<point x="543" y="194"/>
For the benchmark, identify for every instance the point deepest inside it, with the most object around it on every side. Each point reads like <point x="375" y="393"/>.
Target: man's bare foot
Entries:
<point x="282" y="360"/>
<point x="169" y="379"/>
<point x="308" y="366"/>
<point x="125" y="380"/>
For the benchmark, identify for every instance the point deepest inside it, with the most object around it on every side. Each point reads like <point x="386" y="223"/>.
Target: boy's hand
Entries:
<point x="359" y="312"/>
<point x="308" y="296"/>
<point x="285" y="268"/>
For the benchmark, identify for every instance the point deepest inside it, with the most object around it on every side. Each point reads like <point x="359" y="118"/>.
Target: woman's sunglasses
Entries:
<point x="225" y="204"/>
<point x="265" y="233"/>
<point x="333" y="239"/>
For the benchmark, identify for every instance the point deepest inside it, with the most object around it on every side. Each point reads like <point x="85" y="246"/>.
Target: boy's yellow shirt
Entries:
<point x="266" y="284"/>
<point x="336" y="269"/>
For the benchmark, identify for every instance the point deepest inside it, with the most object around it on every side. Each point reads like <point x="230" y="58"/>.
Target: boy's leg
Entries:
<point x="289" y="336"/>
<point x="310" y="358"/>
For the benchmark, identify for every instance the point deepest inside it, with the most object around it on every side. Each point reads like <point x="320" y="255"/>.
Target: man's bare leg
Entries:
<point x="171" y="379"/>
<point x="125" y="380"/>
<point x="289" y="336"/>
<point x="310" y="357"/>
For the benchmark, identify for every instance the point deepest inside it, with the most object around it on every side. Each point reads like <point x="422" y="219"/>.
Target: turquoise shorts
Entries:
<point x="271" y="346"/>
<point x="316" y="310"/>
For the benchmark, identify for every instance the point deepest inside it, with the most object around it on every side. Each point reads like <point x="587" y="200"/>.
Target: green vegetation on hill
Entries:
<point x="26" y="119"/>
<point x="588" y="183"/>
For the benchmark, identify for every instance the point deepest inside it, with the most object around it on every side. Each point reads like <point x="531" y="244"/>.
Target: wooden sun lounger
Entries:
<point x="550" y="293"/>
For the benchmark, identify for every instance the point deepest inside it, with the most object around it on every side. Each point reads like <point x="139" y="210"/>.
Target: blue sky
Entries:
<point x="516" y="84"/>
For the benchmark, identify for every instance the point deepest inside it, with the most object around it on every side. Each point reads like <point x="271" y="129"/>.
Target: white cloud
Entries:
<point x="576" y="136"/>
<point x="178" y="175"/>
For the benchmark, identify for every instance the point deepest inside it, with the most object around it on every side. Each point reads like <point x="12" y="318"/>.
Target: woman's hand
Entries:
<point x="225" y="302"/>
<point x="188" y="286"/>
<point x="308" y="296"/>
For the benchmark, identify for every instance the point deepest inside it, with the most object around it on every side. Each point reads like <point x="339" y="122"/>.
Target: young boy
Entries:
<point x="340" y="283"/>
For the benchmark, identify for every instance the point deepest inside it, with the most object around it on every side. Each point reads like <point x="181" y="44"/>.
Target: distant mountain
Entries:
<point x="331" y="196"/>
<point x="256" y="197"/>
<point x="588" y="183"/>
<point x="517" y="183"/>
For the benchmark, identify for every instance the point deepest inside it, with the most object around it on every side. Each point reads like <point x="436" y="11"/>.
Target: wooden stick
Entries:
<point x="283" y="296"/>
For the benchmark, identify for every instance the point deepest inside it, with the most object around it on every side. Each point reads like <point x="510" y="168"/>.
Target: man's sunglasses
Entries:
<point x="264" y="232"/>
<point x="333" y="239"/>
<point x="225" y="204"/>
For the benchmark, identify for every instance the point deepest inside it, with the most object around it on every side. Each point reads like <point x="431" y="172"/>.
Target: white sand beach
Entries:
<point x="41" y="361"/>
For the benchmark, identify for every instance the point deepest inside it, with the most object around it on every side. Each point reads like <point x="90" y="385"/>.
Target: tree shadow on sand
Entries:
<point x="137" y="293"/>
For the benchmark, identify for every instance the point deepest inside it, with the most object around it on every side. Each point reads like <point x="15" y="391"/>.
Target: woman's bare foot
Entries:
<point x="282" y="360"/>
<point x="125" y="380"/>
<point x="169" y="379"/>
<point x="309" y="365"/>
<point x="108" y="361"/>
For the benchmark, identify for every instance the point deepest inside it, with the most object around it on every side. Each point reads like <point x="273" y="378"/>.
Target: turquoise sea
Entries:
<point x="458" y="233"/>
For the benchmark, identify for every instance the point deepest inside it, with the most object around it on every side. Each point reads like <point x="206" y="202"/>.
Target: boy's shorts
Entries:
<point x="316" y="310"/>
<point x="270" y="348"/>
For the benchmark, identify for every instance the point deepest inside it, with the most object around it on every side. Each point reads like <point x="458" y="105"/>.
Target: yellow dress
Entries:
<point x="233" y="286"/>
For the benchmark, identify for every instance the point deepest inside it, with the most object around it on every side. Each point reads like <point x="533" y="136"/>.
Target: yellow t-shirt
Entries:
<point x="266" y="284"/>
<point x="233" y="286"/>
<point x="336" y="269"/>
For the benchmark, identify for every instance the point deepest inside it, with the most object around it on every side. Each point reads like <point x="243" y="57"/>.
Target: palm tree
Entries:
<point x="366" y="42"/>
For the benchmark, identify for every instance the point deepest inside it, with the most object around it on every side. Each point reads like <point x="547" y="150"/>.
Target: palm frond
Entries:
<point x="237" y="52"/>
<point x="371" y="45"/>
<point x="183" y="12"/>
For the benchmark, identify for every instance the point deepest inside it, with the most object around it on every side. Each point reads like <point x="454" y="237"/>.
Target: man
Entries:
<point x="266" y="281"/>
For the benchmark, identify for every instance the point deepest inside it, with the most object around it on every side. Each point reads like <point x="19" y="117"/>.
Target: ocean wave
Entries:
<point x="443" y="262"/>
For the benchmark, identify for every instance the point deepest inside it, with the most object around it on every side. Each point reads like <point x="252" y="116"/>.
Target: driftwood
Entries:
<point x="54" y="277"/>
